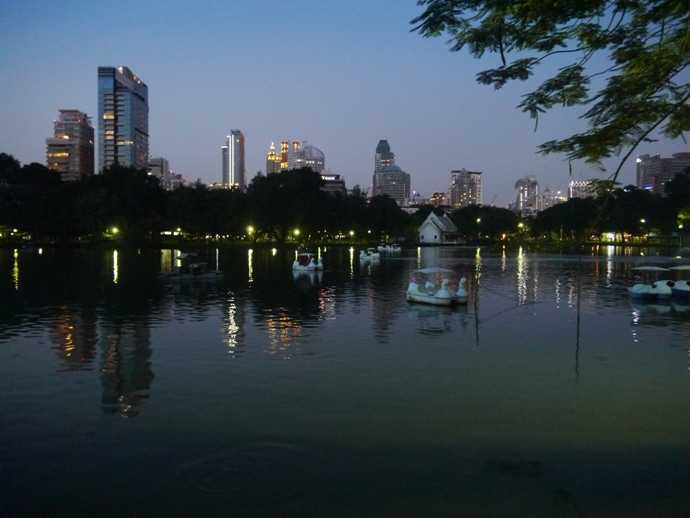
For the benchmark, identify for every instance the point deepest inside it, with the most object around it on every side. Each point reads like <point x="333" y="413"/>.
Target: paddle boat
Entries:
<point x="424" y="289"/>
<point x="681" y="288"/>
<point x="395" y="248"/>
<point x="654" y="290"/>
<point x="370" y="254"/>
<point x="307" y="261"/>
<point x="192" y="272"/>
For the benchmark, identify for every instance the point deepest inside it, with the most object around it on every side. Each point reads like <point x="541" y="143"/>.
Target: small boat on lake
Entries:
<point x="307" y="261"/>
<point x="681" y="288"/>
<point x="192" y="272"/>
<point x="424" y="289"/>
<point x="370" y="254"/>
<point x="651" y="290"/>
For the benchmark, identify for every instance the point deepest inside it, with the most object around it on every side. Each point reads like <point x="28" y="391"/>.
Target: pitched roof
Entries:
<point x="443" y="223"/>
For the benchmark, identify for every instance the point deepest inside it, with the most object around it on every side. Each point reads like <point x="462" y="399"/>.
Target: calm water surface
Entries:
<point x="328" y="394"/>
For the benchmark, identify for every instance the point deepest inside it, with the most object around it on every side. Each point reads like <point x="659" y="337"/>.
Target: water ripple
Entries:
<point x="258" y="474"/>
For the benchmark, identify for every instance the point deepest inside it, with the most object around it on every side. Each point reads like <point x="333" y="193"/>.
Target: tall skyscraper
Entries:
<point x="71" y="150"/>
<point x="233" y="160"/>
<point x="272" y="160"/>
<point x="527" y="195"/>
<point x="123" y="118"/>
<point x="389" y="178"/>
<point x="465" y="188"/>
<point x="383" y="157"/>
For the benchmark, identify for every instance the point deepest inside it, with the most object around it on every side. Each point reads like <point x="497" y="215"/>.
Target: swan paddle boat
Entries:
<point x="370" y="254"/>
<point x="307" y="261"/>
<point x="654" y="290"/>
<point x="424" y="289"/>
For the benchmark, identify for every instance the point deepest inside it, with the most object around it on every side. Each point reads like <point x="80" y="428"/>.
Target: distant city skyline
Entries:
<point x="339" y="76"/>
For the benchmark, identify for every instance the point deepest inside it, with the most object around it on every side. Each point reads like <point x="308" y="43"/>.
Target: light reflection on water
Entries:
<point x="550" y="392"/>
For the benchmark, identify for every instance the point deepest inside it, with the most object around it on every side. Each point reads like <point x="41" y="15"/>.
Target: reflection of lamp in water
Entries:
<point x="250" y="256"/>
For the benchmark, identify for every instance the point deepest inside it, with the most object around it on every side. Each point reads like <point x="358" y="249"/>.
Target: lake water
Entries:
<point x="549" y="394"/>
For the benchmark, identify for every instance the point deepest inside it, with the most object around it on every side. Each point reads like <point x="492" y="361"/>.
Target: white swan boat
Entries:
<point x="307" y="261"/>
<point x="423" y="289"/>
<point x="370" y="254"/>
<point x="658" y="289"/>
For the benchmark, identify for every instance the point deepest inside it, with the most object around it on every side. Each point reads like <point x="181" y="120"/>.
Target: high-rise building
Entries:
<point x="551" y="198"/>
<point x="581" y="189"/>
<point x="160" y="168"/>
<point x="273" y="160"/>
<point x="653" y="172"/>
<point x="527" y="196"/>
<point x="465" y="188"/>
<point x="333" y="184"/>
<point x="383" y="157"/>
<point x="284" y="155"/>
<point x="123" y="118"/>
<point x="233" y="160"/>
<point x="306" y="155"/>
<point x="393" y="182"/>
<point x="389" y="178"/>
<point x="71" y="150"/>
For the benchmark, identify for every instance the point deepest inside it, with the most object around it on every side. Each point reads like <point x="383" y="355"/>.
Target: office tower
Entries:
<point x="389" y="178"/>
<point x="527" y="196"/>
<point x="581" y="189"/>
<point x="123" y="119"/>
<point x="333" y="184"/>
<point x="160" y="168"/>
<point x="284" y="155"/>
<point x="273" y="160"/>
<point x="394" y="182"/>
<point x="233" y="160"/>
<point x="383" y="157"/>
<point x="71" y="150"/>
<point x="306" y="155"/>
<point x="465" y="188"/>
<point x="654" y="172"/>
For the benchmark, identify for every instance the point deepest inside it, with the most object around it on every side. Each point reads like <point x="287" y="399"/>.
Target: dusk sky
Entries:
<point x="339" y="75"/>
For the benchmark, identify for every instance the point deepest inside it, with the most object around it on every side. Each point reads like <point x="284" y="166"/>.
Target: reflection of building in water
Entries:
<point x="73" y="334"/>
<point x="126" y="373"/>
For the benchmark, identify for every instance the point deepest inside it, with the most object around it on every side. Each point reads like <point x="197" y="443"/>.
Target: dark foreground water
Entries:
<point x="550" y="394"/>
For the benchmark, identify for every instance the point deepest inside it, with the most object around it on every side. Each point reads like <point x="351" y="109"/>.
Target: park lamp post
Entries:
<point x="642" y="229"/>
